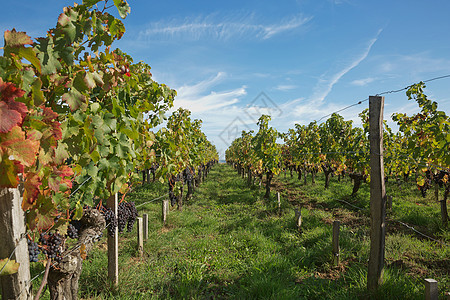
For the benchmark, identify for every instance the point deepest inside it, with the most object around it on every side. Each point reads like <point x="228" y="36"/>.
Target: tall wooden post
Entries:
<point x="377" y="194"/>
<point x="12" y="231"/>
<point x="165" y="210"/>
<point x="336" y="225"/>
<point x="279" y="203"/>
<point x="113" y="245"/>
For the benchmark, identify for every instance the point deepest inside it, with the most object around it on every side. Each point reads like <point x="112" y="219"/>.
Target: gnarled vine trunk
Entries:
<point x="63" y="279"/>
<point x="269" y="176"/>
<point x="357" y="180"/>
<point x="327" y="171"/>
<point x="249" y="178"/>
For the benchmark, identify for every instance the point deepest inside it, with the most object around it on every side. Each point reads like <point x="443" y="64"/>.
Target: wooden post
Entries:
<point x="145" y="218"/>
<point x="298" y="218"/>
<point x="389" y="202"/>
<point x="336" y="225"/>
<point x="279" y="203"/>
<point x="431" y="289"/>
<point x="165" y="210"/>
<point x="377" y="194"/>
<point x="140" y="235"/>
<point x="12" y="236"/>
<point x="113" y="245"/>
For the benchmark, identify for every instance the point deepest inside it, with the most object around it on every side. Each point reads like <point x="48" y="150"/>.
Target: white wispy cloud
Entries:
<point x="201" y="96"/>
<point x="363" y="81"/>
<point x="221" y="28"/>
<point x="285" y="87"/>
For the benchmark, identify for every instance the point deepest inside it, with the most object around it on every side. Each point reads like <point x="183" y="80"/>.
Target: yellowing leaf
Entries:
<point x="420" y="181"/>
<point x="83" y="253"/>
<point x="11" y="266"/>
<point x="15" y="38"/>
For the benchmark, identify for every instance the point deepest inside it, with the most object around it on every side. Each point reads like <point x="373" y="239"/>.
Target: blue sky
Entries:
<point x="298" y="60"/>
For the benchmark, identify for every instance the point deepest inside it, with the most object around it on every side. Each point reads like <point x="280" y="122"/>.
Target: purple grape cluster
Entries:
<point x="33" y="250"/>
<point x="52" y="245"/>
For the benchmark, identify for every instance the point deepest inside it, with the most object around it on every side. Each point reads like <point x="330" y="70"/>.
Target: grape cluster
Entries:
<point x="126" y="216"/>
<point x="110" y="219"/>
<point x="73" y="229"/>
<point x="33" y="250"/>
<point x="133" y="214"/>
<point x="52" y="245"/>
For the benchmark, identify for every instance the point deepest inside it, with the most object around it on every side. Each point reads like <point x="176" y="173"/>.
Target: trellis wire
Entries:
<point x="384" y="93"/>
<point x="152" y="200"/>
<point x="402" y="223"/>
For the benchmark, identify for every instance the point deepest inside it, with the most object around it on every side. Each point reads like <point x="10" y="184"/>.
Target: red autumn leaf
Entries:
<point x="15" y="38"/>
<point x="61" y="175"/>
<point x="56" y="130"/>
<point x="9" y="91"/>
<point x="65" y="173"/>
<point x="8" y="117"/>
<point x="11" y="111"/>
<point x="14" y="143"/>
<point x="31" y="188"/>
<point x="49" y="114"/>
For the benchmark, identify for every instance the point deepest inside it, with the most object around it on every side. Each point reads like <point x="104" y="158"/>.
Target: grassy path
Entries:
<point x="229" y="244"/>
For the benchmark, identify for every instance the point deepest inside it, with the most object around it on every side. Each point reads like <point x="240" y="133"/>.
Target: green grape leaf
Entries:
<point x="90" y="3"/>
<point x="47" y="56"/>
<point x="37" y="94"/>
<point x="30" y="55"/>
<point x="123" y="8"/>
<point x="75" y="99"/>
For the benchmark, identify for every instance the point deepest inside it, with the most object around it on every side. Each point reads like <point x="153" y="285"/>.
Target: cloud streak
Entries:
<point x="225" y="29"/>
<point x="325" y="84"/>
<point x="200" y="98"/>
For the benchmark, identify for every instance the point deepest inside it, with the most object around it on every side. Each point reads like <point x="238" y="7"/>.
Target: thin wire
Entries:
<point x="417" y="231"/>
<point x="348" y="203"/>
<point x="76" y="190"/>
<point x="384" y="93"/>
<point x="404" y="224"/>
<point x="152" y="200"/>
<point x="342" y="109"/>
<point x="436" y="78"/>
<point x="337" y="152"/>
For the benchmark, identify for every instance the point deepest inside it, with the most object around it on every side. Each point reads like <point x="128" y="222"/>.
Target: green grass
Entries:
<point x="228" y="243"/>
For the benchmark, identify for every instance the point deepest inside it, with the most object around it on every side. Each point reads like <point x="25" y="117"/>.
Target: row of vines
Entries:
<point x="76" y="120"/>
<point x="419" y="149"/>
